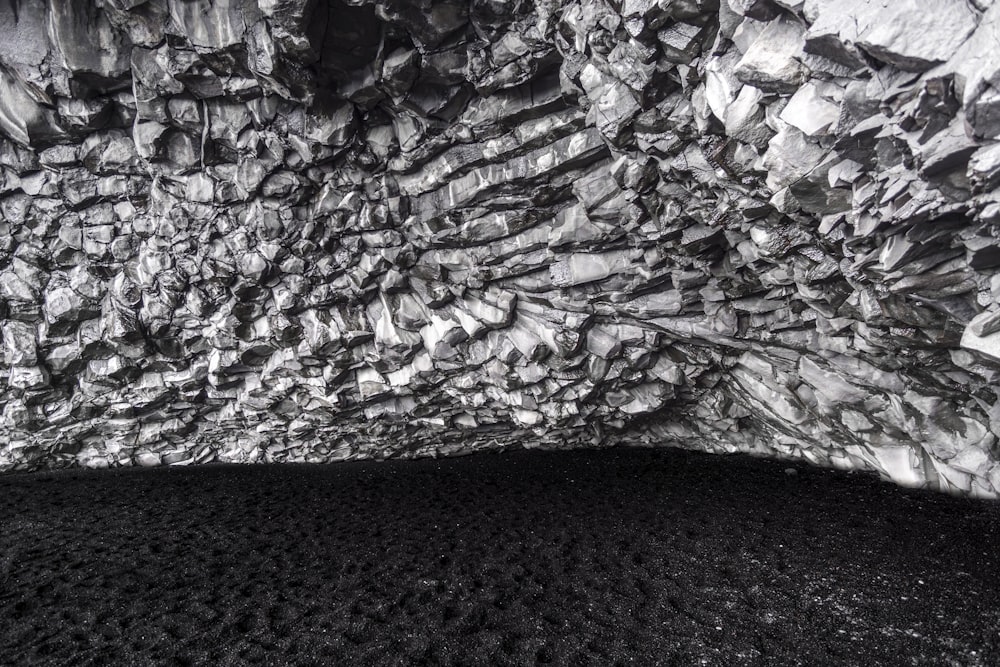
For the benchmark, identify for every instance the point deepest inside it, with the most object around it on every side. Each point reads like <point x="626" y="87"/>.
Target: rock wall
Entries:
<point x="310" y="230"/>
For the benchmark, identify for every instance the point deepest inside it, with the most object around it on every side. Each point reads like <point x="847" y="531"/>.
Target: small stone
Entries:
<point x="147" y="459"/>
<point x="744" y="118"/>
<point x="28" y="378"/>
<point x="772" y="61"/>
<point x="984" y="167"/>
<point x="64" y="305"/>
<point x="988" y="344"/>
<point x="15" y="288"/>
<point x="680" y="42"/>
<point x="985" y="324"/>
<point x="19" y="343"/>
<point x="253" y="267"/>
<point x="814" y="107"/>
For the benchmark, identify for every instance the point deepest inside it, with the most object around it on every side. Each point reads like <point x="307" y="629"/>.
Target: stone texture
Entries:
<point x="294" y="231"/>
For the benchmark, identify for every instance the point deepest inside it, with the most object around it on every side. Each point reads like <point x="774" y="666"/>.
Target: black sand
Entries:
<point x="593" y="558"/>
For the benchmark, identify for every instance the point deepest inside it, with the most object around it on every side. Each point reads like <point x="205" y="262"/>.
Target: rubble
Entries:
<point x="293" y="231"/>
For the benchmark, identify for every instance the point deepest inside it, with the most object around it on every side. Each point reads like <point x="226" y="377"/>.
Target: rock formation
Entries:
<point x="311" y="230"/>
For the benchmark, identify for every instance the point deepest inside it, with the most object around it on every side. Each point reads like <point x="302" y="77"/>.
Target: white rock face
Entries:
<point x="249" y="230"/>
<point x="909" y="34"/>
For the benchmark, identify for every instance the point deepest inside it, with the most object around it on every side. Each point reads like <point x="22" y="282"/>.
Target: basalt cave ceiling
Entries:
<point x="313" y="230"/>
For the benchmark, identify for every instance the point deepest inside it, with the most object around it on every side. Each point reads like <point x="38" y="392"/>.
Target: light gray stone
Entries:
<point x="904" y="34"/>
<point x="773" y="61"/>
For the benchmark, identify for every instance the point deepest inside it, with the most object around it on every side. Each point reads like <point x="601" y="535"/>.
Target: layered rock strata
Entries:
<point x="311" y="230"/>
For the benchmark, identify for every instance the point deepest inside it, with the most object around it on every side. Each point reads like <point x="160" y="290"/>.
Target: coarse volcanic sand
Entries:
<point x="619" y="556"/>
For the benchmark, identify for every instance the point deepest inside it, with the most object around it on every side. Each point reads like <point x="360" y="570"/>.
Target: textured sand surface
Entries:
<point x="598" y="557"/>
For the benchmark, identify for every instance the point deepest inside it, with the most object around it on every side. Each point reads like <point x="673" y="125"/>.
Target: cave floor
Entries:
<point x="590" y="557"/>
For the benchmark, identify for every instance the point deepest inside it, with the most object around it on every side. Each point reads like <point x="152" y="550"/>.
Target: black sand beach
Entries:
<point x="579" y="558"/>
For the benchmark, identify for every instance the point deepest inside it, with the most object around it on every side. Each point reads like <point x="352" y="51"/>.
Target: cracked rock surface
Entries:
<point x="291" y="230"/>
